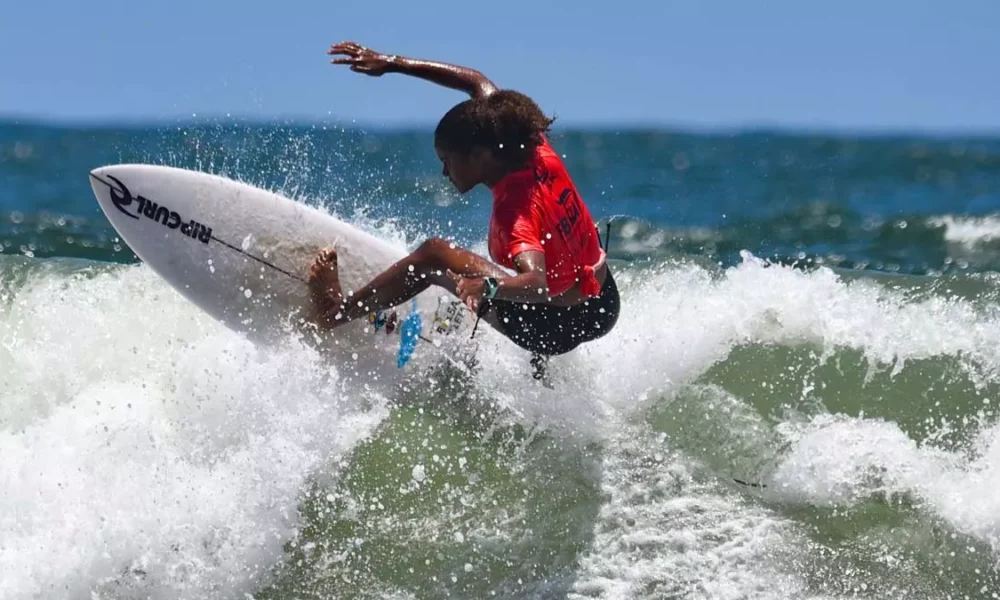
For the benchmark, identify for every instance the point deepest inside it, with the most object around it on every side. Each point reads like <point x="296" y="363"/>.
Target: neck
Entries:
<point x="494" y="174"/>
<point x="498" y="171"/>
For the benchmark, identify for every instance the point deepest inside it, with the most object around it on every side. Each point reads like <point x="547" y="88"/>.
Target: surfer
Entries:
<point x="561" y="292"/>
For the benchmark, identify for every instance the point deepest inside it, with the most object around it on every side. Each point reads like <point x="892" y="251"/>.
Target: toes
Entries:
<point x="323" y="265"/>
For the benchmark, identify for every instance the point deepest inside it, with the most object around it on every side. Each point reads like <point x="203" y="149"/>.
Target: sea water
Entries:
<point x="812" y="315"/>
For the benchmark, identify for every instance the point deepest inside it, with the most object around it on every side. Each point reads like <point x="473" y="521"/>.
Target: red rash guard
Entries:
<point x="538" y="208"/>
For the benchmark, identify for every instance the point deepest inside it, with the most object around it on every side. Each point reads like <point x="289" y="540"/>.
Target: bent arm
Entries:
<point x="529" y="285"/>
<point x="451" y="76"/>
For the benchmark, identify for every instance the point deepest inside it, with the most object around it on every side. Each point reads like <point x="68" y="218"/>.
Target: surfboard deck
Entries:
<point x="243" y="254"/>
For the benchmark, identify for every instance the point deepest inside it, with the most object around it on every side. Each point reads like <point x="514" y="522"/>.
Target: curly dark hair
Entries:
<point x="509" y="123"/>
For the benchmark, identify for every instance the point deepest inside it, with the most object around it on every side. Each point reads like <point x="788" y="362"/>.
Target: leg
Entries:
<point x="405" y="279"/>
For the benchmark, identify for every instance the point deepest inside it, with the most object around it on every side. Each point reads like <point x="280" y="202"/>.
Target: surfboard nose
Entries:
<point x="102" y="178"/>
<point x="98" y="179"/>
<point x="101" y="183"/>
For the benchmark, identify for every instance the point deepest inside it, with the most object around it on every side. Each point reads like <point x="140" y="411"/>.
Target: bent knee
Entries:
<point x="431" y="252"/>
<point x="434" y="247"/>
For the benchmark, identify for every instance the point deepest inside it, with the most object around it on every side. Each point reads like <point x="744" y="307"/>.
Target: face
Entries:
<point x="463" y="171"/>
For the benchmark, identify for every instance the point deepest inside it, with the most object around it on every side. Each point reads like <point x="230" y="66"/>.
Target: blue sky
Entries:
<point x="881" y="64"/>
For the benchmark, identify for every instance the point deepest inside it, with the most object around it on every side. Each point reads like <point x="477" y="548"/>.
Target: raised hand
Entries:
<point x="361" y="59"/>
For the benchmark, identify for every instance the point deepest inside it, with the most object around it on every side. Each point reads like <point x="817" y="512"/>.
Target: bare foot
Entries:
<point x="324" y="285"/>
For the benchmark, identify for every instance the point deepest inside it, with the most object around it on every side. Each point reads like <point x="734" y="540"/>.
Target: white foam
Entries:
<point x="197" y="481"/>
<point x="678" y="320"/>
<point x="968" y="231"/>
<point x="662" y="533"/>
<point x="146" y="450"/>
<point x="843" y="461"/>
<point x="967" y="493"/>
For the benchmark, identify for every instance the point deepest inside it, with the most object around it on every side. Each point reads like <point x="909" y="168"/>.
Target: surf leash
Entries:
<point x="484" y="307"/>
<point x="260" y="260"/>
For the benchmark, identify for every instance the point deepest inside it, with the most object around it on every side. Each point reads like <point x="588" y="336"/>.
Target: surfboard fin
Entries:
<point x="409" y="336"/>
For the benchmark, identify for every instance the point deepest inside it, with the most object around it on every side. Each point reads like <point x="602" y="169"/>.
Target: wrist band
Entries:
<point x="491" y="288"/>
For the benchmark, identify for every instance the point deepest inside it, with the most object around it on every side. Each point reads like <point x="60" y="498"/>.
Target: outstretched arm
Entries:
<point x="369" y="62"/>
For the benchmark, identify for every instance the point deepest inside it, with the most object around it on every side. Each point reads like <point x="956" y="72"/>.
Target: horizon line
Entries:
<point x="412" y="125"/>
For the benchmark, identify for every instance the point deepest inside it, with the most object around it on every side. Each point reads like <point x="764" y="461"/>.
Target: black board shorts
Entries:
<point x="549" y="330"/>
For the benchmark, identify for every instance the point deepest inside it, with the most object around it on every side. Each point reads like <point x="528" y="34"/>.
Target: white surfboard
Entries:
<point x="243" y="255"/>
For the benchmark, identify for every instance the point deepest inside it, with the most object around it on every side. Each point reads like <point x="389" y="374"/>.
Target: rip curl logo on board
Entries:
<point x="123" y="200"/>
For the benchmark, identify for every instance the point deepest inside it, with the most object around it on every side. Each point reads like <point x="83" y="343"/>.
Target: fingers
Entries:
<point x="351" y="49"/>
<point x="346" y="48"/>
<point x="460" y="289"/>
<point x="359" y="58"/>
<point x="356" y="64"/>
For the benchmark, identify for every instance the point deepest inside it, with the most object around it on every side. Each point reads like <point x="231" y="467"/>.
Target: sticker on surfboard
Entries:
<point x="382" y="320"/>
<point x="448" y="318"/>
